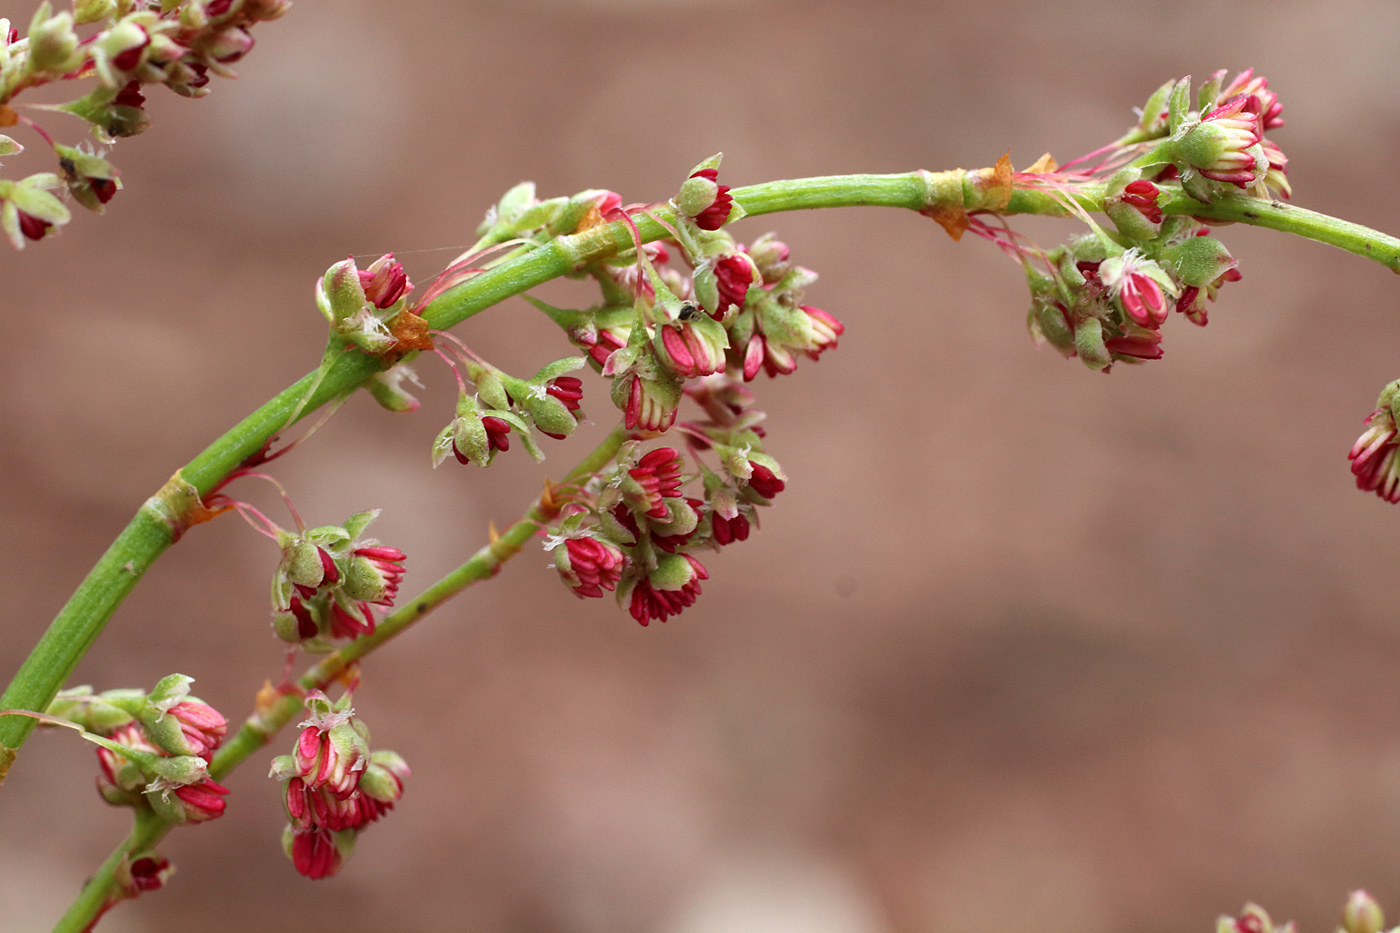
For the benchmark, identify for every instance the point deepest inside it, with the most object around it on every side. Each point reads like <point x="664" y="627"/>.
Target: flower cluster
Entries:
<point x="503" y="404"/>
<point x="696" y="316"/>
<point x="1220" y="144"/>
<point x="125" y="44"/>
<point x="334" y="786"/>
<point x="636" y="531"/>
<point x="328" y="581"/>
<point x="156" y="747"/>
<point x="1103" y="297"/>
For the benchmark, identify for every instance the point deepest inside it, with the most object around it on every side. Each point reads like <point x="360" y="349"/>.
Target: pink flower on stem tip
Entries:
<point x="1374" y="459"/>
<point x="1142" y="194"/>
<point x="659" y="475"/>
<point x="385" y="281"/>
<point x="588" y="566"/>
<point x="717" y="213"/>
<point x="651" y="602"/>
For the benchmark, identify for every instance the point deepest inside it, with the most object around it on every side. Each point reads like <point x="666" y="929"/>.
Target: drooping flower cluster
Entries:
<point x="696" y="315"/>
<point x="157" y="749"/>
<point x="328" y="581"/>
<point x="636" y="531"/>
<point x="125" y="45"/>
<point x="334" y="786"/>
<point x="1104" y="296"/>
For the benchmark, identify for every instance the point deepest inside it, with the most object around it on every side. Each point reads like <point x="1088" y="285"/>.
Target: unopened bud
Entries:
<point x="90" y="11"/>
<point x="1362" y="914"/>
<point x="53" y="44"/>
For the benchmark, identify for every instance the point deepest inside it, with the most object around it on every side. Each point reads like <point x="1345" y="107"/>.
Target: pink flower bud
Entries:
<point x="385" y="281"/>
<point x="374" y="574"/>
<point x="120" y="777"/>
<point x="735" y="274"/>
<point x="1142" y="194"/>
<point x="589" y="565"/>
<point x="1223" y="146"/>
<point x="189" y="803"/>
<point x="32" y="227"/>
<point x="315" y="852"/>
<point x="689" y="351"/>
<point x="1374" y="459"/>
<point x="229" y="45"/>
<point x="603" y="346"/>
<point x="708" y="205"/>
<point x="658" y="476"/>
<point x="497" y="438"/>
<point x="765" y="482"/>
<point x="125" y="45"/>
<point x="648" y="406"/>
<point x="727" y="530"/>
<point x="654" y="597"/>
<point x="147" y="873"/>
<point x="1146" y="345"/>
<point x="202" y="727"/>
<point x="332" y="758"/>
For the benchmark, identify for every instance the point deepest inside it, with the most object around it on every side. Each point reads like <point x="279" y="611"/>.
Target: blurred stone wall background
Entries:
<point x="1021" y="645"/>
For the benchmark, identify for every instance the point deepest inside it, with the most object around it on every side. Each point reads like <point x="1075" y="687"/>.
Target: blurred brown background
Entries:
<point x="1021" y="645"/>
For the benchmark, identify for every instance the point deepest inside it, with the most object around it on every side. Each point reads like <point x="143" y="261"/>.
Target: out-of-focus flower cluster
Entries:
<point x="125" y="45"/>
<point x="333" y="786"/>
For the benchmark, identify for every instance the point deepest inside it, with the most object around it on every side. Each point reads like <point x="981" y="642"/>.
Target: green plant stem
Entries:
<point x="267" y="720"/>
<point x="138" y="546"/>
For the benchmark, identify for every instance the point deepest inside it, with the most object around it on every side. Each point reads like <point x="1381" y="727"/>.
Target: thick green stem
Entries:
<point x="142" y="542"/>
<point x="272" y="716"/>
